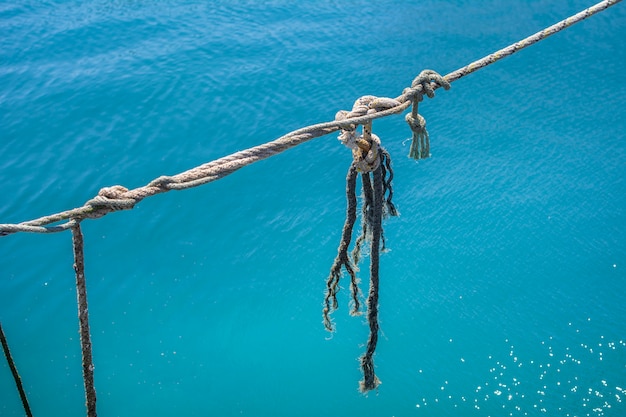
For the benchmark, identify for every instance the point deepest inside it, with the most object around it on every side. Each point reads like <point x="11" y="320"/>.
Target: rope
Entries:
<point x="530" y="40"/>
<point x="16" y="375"/>
<point x="369" y="158"/>
<point x="370" y="380"/>
<point x="120" y="198"/>
<point x="373" y="162"/>
<point x="83" y="319"/>
<point x="342" y="259"/>
<point x="420" y="145"/>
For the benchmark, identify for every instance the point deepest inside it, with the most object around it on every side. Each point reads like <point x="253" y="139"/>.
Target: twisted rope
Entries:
<point x="16" y="375"/>
<point x="83" y="319"/>
<point x="370" y="380"/>
<point x="120" y="198"/>
<point x="372" y="161"/>
<point x="342" y="259"/>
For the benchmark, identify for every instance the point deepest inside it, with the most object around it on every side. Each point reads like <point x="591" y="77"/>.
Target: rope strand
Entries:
<point x="83" y="319"/>
<point x="16" y="375"/>
<point x="370" y="380"/>
<point x="342" y="259"/>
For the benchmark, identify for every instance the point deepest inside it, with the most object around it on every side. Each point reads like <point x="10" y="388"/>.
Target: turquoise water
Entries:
<point x="504" y="290"/>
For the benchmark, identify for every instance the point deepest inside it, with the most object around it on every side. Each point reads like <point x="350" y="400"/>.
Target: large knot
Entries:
<point x="363" y="106"/>
<point x="366" y="154"/>
<point x="109" y="199"/>
<point x="423" y="84"/>
<point x="417" y="124"/>
<point x="365" y="147"/>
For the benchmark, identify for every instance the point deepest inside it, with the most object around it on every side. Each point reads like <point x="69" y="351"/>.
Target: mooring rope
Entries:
<point x="16" y="375"/>
<point x="120" y="198"/>
<point x="369" y="158"/>
<point x="83" y="318"/>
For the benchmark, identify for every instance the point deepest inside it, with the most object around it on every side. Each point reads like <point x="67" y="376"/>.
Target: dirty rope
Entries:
<point x="370" y="159"/>
<point x="373" y="163"/>
<point x="16" y="375"/>
<point x="83" y="319"/>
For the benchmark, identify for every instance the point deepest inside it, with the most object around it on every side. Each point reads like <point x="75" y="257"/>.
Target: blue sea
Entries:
<point x="504" y="289"/>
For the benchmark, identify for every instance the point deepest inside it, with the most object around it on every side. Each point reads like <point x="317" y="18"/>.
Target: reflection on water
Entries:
<point x="565" y="379"/>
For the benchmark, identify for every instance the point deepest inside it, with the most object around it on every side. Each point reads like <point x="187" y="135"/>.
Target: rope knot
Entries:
<point x="115" y="192"/>
<point x="417" y="124"/>
<point x="366" y="105"/>
<point x="423" y="84"/>
<point x="109" y="199"/>
<point x="361" y="107"/>
<point x="420" y="143"/>
<point x="364" y="147"/>
<point x="365" y="154"/>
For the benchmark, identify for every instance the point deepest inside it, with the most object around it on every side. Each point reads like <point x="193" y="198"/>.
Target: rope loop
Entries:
<point x="366" y="105"/>
<point x="423" y="84"/>
<point x="163" y="182"/>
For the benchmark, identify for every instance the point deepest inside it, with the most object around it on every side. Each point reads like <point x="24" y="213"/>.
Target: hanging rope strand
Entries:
<point x="342" y="259"/>
<point x="368" y="196"/>
<point x="83" y="319"/>
<point x="390" y="208"/>
<point x="370" y="380"/>
<point x="374" y="164"/>
<point x="16" y="375"/>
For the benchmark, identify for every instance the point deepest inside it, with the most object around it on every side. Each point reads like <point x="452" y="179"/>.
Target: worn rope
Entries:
<point x="120" y="198"/>
<point x="83" y="319"/>
<point x="370" y="159"/>
<point x="342" y="259"/>
<point x="16" y="375"/>
<point x="373" y="162"/>
<point x="370" y="380"/>
<point x="530" y="40"/>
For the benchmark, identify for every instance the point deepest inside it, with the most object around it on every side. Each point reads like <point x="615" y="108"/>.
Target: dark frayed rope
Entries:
<point x="16" y="375"/>
<point x="342" y="259"/>
<point x="370" y="380"/>
<point x="83" y="319"/>
<point x="374" y="163"/>
<point x="366" y="213"/>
